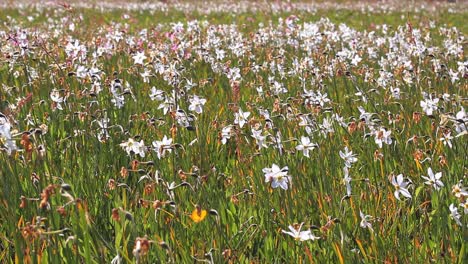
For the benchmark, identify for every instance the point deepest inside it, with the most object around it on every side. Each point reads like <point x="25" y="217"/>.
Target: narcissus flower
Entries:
<point x="278" y="177"/>
<point x="241" y="118"/>
<point x="433" y="179"/>
<point x="401" y="186"/>
<point x="348" y="157"/>
<point x="162" y="147"/>
<point x="365" y="221"/>
<point x="299" y="235"/>
<point x="132" y="146"/>
<point x="305" y="146"/>
<point x="139" y="57"/>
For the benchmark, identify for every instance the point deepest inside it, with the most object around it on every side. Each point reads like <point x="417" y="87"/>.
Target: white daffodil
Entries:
<point x="433" y="179"/>
<point x="447" y="139"/>
<point x="196" y="104"/>
<point x="278" y="177"/>
<point x="5" y="136"/>
<point x="401" y="186"/>
<point x="132" y="146"/>
<point x="226" y="134"/>
<point x="348" y="157"/>
<point x="299" y="235"/>
<point x="455" y="215"/>
<point x="241" y="118"/>
<point x="156" y="94"/>
<point x="365" y="221"/>
<point x="383" y="136"/>
<point x="57" y="99"/>
<point x="429" y="105"/>
<point x="306" y="146"/>
<point x="162" y="147"/>
<point x="139" y="57"/>
<point x="257" y="134"/>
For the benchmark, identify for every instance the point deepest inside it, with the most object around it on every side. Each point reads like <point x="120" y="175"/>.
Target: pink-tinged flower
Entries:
<point x="383" y="136"/>
<point x="299" y="235"/>
<point x="401" y="186"/>
<point x="433" y="179"/>
<point x="278" y="177"/>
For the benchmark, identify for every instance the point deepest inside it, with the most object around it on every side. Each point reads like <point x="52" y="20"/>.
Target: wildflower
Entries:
<point x="459" y="191"/>
<point x="103" y="133"/>
<point x="5" y="136"/>
<point x="198" y="214"/>
<point x="132" y="146"/>
<point x="226" y="134"/>
<point x="257" y="134"/>
<point x="429" y="105"/>
<point x="196" y="104"/>
<point x="305" y="146"/>
<point x="383" y="136"/>
<point x="461" y="120"/>
<point x="278" y="177"/>
<point x="139" y="57"/>
<point x="299" y="235"/>
<point x="465" y="206"/>
<point x="348" y="157"/>
<point x="365" y="221"/>
<point x="57" y="100"/>
<point x="182" y="118"/>
<point x="162" y="147"/>
<point x="447" y="139"/>
<point x="400" y="186"/>
<point x="241" y="118"/>
<point x="433" y="180"/>
<point x="454" y="214"/>
<point x="167" y="105"/>
<point x="156" y="94"/>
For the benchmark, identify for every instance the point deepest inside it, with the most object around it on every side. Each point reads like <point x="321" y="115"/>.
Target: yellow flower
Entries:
<point x="198" y="214"/>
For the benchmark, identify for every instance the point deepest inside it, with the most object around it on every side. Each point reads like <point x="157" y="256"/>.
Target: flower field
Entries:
<point x="233" y="132"/>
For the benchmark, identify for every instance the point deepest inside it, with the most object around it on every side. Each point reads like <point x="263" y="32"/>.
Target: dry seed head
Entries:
<point x="115" y="214"/>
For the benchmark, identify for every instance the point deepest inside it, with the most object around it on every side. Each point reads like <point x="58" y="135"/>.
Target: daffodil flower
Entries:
<point x="132" y="146"/>
<point x="162" y="147"/>
<point x="278" y="177"/>
<point x="241" y="118"/>
<point x="365" y="221"/>
<point x="306" y="146"/>
<point x="348" y="157"/>
<point x="401" y="186"/>
<point x="433" y="179"/>
<point x="299" y="235"/>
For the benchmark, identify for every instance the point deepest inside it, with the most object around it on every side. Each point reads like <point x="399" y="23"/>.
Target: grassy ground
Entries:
<point x="69" y="193"/>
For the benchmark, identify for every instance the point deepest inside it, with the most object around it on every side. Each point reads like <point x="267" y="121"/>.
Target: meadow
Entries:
<point x="233" y="132"/>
